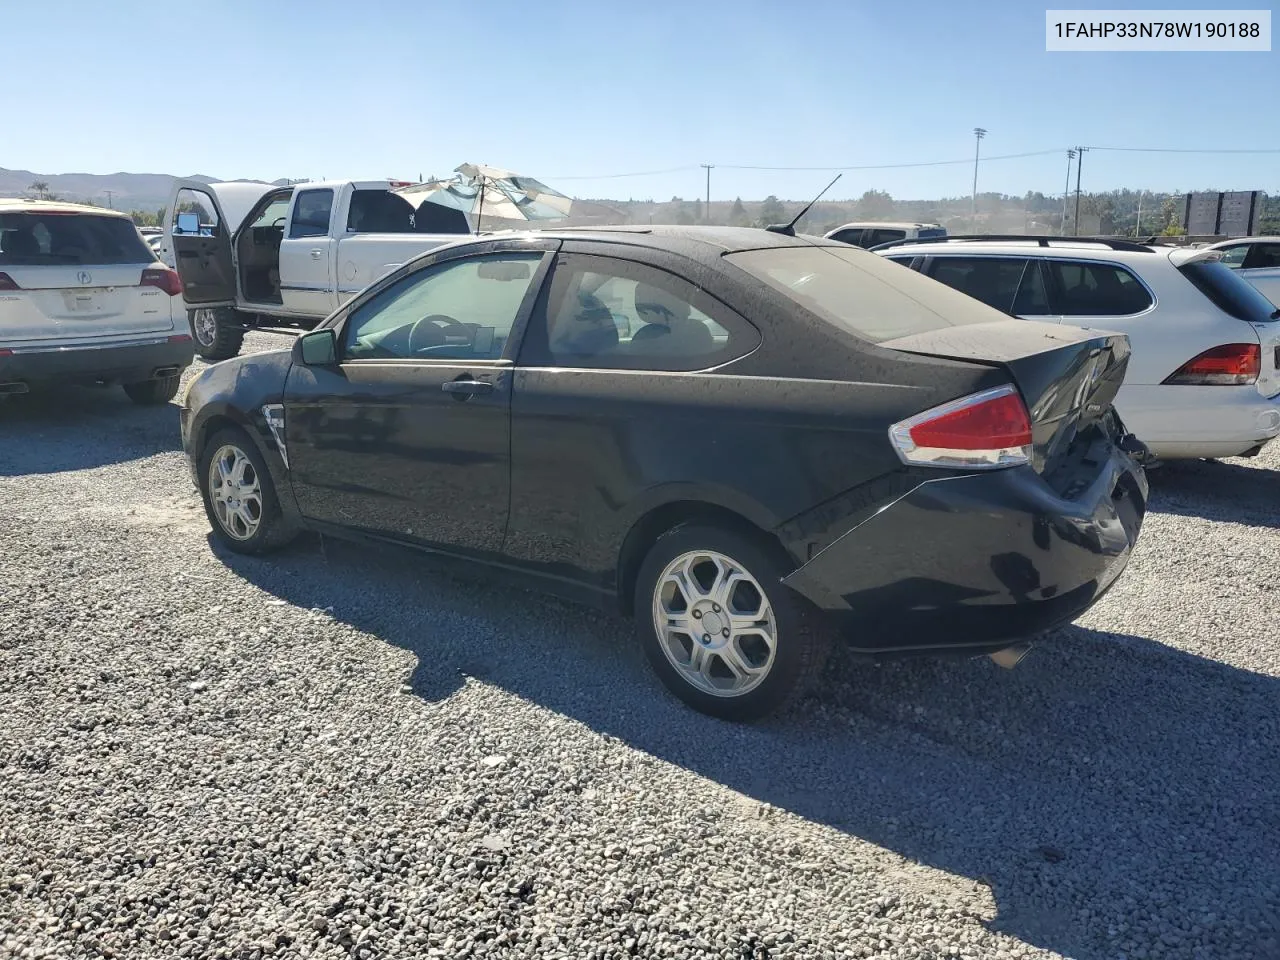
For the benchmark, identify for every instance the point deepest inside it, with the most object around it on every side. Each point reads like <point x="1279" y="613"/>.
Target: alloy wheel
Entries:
<point x="204" y="326"/>
<point x="235" y="492"/>
<point x="714" y="623"/>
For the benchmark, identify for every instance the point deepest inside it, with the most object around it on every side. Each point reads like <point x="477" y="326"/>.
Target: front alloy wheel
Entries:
<point x="235" y="492"/>
<point x="239" y="496"/>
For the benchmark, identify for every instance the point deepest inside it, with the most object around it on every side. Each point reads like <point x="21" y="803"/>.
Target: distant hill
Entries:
<point x="123" y="191"/>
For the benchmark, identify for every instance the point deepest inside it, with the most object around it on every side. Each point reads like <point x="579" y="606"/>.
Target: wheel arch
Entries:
<point x="660" y="518"/>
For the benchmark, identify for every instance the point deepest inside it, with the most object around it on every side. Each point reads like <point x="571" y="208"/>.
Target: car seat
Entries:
<point x="669" y="328"/>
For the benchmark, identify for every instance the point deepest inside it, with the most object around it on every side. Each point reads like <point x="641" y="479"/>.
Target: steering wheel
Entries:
<point x="278" y="222"/>
<point x="430" y="331"/>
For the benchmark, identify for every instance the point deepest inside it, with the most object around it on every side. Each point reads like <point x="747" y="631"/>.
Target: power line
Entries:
<point x="642" y="173"/>
<point x="1179" y="150"/>
<point x="898" y="166"/>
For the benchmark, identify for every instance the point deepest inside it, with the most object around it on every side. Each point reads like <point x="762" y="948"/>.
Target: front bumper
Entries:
<point x="974" y="562"/>
<point x="127" y="362"/>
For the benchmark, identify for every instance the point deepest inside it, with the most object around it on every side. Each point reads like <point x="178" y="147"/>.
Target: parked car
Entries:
<point x="1256" y="259"/>
<point x="253" y="254"/>
<point x="83" y="300"/>
<point x="871" y="233"/>
<point x="798" y="439"/>
<point x="1203" y="380"/>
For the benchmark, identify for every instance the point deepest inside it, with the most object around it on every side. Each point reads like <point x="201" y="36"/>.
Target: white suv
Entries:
<point x="872" y="233"/>
<point x="1203" y="376"/>
<point x="1257" y="259"/>
<point x="84" y="300"/>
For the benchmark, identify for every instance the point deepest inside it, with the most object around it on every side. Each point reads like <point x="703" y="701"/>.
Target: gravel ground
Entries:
<point x="341" y="753"/>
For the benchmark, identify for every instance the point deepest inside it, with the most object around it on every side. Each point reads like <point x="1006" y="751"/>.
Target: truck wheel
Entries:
<point x="217" y="331"/>
<point x="153" y="392"/>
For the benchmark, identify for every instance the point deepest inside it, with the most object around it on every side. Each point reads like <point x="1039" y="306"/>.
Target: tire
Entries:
<point x="217" y="332"/>
<point x="773" y="680"/>
<point x="150" y="393"/>
<point x="236" y="529"/>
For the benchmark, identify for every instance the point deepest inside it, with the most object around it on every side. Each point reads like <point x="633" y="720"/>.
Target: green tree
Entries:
<point x="41" y="187"/>
<point x="771" y="211"/>
<point x="738" y="213"/>
<point x="875" y="205"/>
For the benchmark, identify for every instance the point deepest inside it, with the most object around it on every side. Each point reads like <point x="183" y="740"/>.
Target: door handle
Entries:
<point x="464" y="389"/>
<point x="315" y="254"/>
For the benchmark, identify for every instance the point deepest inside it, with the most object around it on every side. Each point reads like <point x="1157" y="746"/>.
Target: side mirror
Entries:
<point x="188" y="223"/>
<point x="319" y="348"/>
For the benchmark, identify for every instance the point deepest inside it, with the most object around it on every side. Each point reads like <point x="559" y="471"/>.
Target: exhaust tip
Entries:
<point x="1010" y="657"/>
<point x="162" y="373"/>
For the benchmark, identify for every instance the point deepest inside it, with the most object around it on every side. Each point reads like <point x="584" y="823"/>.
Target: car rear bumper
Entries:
<point x="973" y="563"/>
<point x="1188" y="422"/>
<point x="127" y="362"/>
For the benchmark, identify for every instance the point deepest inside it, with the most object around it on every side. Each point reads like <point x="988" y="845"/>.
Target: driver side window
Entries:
<point x="455" y="310"/>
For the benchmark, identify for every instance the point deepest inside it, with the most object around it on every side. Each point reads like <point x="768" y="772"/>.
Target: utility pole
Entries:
<point x="978" y="134"/>
<point x="109" y="203"/>
<point x="1079" y="164"/>
<point x="1066" y="191"/>
<point x="706" y="211"/>
<point x="1137" y="231"/>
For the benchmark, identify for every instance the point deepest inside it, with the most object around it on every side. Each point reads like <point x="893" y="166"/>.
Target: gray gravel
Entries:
<point x="339" y="753"/>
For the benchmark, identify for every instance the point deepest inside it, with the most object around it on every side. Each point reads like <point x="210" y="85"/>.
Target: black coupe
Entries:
<point x="751" y="442"/>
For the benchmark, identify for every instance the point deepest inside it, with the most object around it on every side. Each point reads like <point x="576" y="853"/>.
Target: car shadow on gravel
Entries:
<point x="77" y="428"/>
<point x="1109" y="789"/>
<point x="1217" y="490"/>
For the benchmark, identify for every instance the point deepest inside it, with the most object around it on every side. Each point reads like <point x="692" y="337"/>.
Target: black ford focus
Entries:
<point x="752" y="443"/>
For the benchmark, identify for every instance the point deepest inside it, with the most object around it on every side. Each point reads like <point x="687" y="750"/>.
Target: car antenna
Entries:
<point x="789" y="229"/>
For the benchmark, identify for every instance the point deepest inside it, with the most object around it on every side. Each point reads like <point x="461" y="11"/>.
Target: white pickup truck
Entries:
<point x="260" y="255"/>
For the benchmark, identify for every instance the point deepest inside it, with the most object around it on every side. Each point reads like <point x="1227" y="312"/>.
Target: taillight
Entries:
<point x="7" y="282"/>
<point x="1230" y="365"/>
<point x="982" y="431"/>
<point x="164" y="278"/>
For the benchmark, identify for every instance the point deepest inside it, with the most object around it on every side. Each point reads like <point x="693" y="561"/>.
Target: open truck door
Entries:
<point x="200" y="223"/>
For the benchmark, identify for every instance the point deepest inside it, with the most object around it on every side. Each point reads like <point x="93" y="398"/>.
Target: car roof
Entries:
<point x="698" y="241"/>
<point x="1031" y="246"/>
<point x="891" y="224"/>
<point x="1234" y="240"/>
<point x="22" y="205"/>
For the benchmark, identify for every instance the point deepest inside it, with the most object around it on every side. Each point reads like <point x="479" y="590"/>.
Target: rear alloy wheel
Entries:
<point x="153" y="392"/>
<point x="239" y="496"/>
<point x="217" y="331"/>
<point x="720" y="629"/>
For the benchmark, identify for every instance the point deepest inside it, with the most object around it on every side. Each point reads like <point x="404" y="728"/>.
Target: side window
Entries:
<point x="1264" y="255"/>
<point x="884" y="236"/>
<point x="455" y="310"/>
<point x="1032" y="299"/>
<point x="311" y="214"/>
<point x="905" y="261"/>
<point x="614" y="314"/>
<point x="993" y="280"/>
<point x="194" y="215"/>
<point x="379" y="211"/>
<point x="1234" y="257"/>
<point x="273" y="214"/>
<point x="849" y="236"/>
<point x="1097" y="289"/>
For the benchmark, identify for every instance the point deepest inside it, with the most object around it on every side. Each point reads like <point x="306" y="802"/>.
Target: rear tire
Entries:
<point x="750" y="645"/>
<point x="218" y="332"/>
<point x="239" y="495"/>
<point x="150" y="393"/>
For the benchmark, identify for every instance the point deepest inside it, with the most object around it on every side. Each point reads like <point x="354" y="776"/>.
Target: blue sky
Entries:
<point x="567" y="89"/>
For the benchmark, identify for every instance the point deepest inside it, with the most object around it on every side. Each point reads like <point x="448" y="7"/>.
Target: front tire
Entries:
<point x="718" y="626"/>
<point x="239" y="496"/>
<point x="149" y="393"/>
<point x="218" y="332"/>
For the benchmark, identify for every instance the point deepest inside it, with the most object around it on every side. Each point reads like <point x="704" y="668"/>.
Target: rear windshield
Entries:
<point x="38" y="238"/>
<point x="926" y="232"/>
<point x="1229" y="291"/>
<point x="862" y="293"/>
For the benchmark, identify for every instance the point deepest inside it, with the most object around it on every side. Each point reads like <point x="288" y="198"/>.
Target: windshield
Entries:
<point x="1228" y="291"/>
<point x="45" y="238"/>
<point x="862" y="293"/>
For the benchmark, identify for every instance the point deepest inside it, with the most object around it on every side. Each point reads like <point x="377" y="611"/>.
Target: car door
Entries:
<point x="407" y="436"/>
<point x="1262" y="268"/>
<point x="199" y="236"/>
<point x="306" y="254"/>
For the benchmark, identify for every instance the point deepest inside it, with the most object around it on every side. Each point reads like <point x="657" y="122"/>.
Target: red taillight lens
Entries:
<point x="7" y="282"/>
<point x="5" y="352"/>
<point x="164" y="278"/>
<point x="1230" y="365"/>
<point x="981" y="431"/>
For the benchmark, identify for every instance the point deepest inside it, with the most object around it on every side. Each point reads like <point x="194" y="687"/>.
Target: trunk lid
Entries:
<point x="1068" y="378"/>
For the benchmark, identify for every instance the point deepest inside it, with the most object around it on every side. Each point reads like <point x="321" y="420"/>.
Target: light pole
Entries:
<point x="1137" y="231"/>
<point x="1066" y="191"/>
<point x="706" y="211"/>
<point x="1079" y="164"/>
<point x="978" y="134"/>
